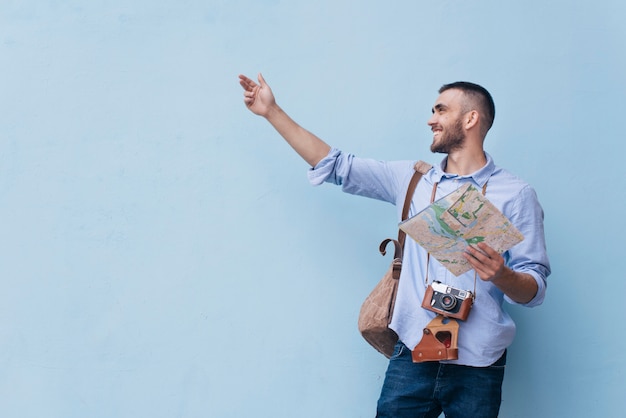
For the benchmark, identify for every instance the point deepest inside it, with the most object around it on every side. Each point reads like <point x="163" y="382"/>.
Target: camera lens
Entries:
<point x="448" y="302"/>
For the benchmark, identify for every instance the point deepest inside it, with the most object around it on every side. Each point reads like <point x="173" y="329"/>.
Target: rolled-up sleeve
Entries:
<point x="332" y="169"/>
<point x="367" y="177"/>
<point x="530" y="256"/>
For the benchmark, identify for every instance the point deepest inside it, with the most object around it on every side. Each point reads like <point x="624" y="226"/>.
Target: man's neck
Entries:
<point x="464" y="162"/>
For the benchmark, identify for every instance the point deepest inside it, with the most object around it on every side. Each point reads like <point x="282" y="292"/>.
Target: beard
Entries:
<point x="450" y="139"/>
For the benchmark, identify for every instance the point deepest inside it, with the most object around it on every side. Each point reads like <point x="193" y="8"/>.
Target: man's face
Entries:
<point x="446" y="122"/>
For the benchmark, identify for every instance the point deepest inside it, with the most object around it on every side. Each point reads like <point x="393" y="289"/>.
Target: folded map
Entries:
<point x="464" y="217"/>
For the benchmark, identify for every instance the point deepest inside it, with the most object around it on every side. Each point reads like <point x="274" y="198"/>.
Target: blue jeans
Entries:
<point x="424" y="390"/>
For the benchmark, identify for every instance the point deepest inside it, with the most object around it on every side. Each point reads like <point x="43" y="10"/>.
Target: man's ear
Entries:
<point x="471" y="119"/>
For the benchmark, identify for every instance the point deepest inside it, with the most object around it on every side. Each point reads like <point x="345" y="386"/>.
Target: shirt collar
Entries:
<point x="480" y="177"/>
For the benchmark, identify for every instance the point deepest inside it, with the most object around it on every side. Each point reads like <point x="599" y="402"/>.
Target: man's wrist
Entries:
<point x="273" y="111"/>
<point x="520" y="287"/>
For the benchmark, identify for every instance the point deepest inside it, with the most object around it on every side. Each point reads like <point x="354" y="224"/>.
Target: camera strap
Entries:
<point x="432" y="200"/>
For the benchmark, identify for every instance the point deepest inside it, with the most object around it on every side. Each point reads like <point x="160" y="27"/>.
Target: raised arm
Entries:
<point x="260" y="100"/>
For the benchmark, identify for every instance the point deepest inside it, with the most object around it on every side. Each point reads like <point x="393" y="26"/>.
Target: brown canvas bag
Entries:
<point x="377" y="309"/>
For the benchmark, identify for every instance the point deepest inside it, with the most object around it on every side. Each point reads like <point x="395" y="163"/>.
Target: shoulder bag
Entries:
<point x="377" y="309"/>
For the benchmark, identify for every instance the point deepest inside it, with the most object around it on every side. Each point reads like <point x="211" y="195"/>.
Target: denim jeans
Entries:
<point x="424" y="390"/>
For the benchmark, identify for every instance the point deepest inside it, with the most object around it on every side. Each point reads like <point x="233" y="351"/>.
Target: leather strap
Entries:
<point x="421" y="168"/>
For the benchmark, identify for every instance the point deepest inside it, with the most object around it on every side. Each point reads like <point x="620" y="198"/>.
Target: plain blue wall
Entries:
<point x="163" y="255"/>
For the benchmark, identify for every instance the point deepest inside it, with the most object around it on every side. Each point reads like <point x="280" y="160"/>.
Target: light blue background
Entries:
<point x="163" y="255"/>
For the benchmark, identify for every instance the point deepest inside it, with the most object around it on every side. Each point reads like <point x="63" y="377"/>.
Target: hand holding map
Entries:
<point x="464" y="217"/>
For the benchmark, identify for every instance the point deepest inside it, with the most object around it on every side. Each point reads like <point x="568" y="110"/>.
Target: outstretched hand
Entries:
<point x="260" y="100"/>
<point x="257" y="97"/>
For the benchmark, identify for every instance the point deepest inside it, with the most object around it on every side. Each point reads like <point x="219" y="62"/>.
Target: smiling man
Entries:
<point x="469" y="386"/>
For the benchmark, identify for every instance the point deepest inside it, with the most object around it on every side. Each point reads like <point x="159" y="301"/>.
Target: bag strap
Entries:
<point x="420" y="168"/>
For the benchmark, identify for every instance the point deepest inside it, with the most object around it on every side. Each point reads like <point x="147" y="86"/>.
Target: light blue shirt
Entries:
<point x="489" y="330"/>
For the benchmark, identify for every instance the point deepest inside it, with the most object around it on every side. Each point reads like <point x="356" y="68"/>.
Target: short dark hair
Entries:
<point x="480" y="95"/>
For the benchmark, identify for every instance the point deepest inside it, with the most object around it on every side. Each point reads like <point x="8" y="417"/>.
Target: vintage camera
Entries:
<point x="448" y="301"/>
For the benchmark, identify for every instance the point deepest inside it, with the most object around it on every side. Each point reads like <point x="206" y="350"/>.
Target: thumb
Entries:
<point x="262" y="80"/>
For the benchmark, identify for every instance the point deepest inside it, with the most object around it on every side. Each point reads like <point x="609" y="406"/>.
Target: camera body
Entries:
<point x="448" y="301"/>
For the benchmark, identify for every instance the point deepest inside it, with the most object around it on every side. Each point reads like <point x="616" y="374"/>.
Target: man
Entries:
<point x="461" y="117"/>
